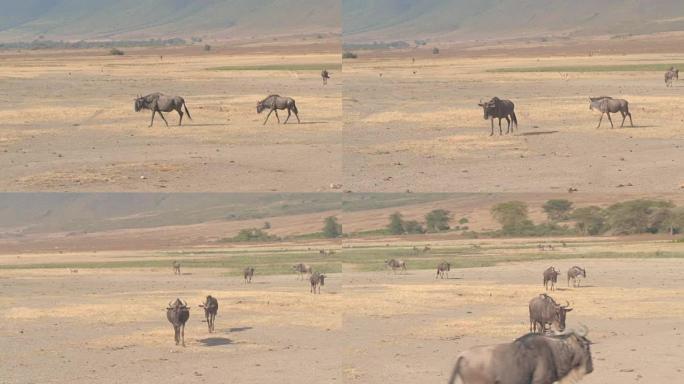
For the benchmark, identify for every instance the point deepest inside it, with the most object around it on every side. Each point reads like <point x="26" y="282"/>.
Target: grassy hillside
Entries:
<point x="485" y="19"/>
<point x="132" y="19"/>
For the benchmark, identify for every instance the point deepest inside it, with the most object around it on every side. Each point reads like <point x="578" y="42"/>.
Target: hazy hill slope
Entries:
<point x="131" y="19"/>
<point x="365" y="20"/>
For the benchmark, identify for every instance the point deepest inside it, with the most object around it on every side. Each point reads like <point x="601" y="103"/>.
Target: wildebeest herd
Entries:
<point x="549" y="353"/>
<point x="178" y="311"/>
<point x="504" y="109"/>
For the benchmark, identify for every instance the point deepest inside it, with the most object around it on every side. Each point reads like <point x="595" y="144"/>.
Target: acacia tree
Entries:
<point x="558" y="209"/>
<point x="331" y="228"/>
<point x="396" y="224"/>
<point x="437" y="220"/>
<point x="512" y="215"/>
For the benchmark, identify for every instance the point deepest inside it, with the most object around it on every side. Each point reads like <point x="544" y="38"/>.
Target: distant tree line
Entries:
<point x="84" y="44"/>
<point x="437" y="220"/>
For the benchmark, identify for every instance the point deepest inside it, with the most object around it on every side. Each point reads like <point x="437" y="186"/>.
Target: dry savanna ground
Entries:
<point x="106" y="323"/>
<point x="68" y="124"/>
<point x="417" y="126"/>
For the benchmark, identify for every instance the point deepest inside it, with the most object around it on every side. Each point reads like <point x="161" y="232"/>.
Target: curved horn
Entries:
<point x="567" y="304"/>
<point x="169" y="304"/>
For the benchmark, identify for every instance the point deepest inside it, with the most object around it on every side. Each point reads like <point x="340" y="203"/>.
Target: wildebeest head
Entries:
<point x="260" y="106"/>
<point x="595" y="102"/>
<point x="561" y="313"/>
<point x="177" y="304"/>
<point x="488" y="108"/>
<point x="139" y="103"/>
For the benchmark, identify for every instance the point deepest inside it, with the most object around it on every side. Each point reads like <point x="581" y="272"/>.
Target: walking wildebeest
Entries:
<point x="176" y="268"/>
<point x="178" y="314"/>
<point x="248" y="274"/>
<point x="574" y="273"/>
<point x="210" y="310"/>
<point x="551" y="276"/>
<point x="395" y="264"/>
<point x="158" y="103"/>
<point x="302" y="269"/>
<point x="276" y="102"/>
<point x="317" y="280"/>
<point x="442" y="269"/>
<point x="544" y="310"/>
<point x="501" y="109"/>
<point x="607" y="105"/>
<point x="531" y="359"/>
<point x="325" y="75"/>
<point x="670" y="75"/>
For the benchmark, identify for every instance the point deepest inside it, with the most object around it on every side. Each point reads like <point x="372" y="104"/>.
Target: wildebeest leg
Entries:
<point x="183" y="333"/>
<point x="276" y="112"/>
<point x="181" y="116"/>
<point x="500" y="130"/>
<point x="163" y="118"/>
<point x="297" y="116"/>
<point x="611" y="120"/>
<point x="630" y="118"/>
<point x="288" y="116"/>
<point x="267" y="116"/>
<point x="153" y="113"/>
<point x="176" y="334"/>
<point x="600" y="120"/>
<point x="492" y="120"/>
<point x="508" y="129"/>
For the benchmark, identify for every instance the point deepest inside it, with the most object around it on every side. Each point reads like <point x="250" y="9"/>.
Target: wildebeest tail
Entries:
<point x="186" y="110"/>
<point x="455" y="373"/>
<point x="294" y="108"/>
<point x="515" y="119"/>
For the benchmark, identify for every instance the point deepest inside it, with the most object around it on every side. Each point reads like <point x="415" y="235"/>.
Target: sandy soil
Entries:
<point x="423" y="131"/>
<point x="67" y="123"/>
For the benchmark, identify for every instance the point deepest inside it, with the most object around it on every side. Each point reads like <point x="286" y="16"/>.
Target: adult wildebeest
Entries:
<point x="302" y="269"/>
<point x="248" y="273"/>
<point x="443" y="268"/>
<point x="276" y="102"/>
<point x="178" y="314"/>
<point x="158" y="103"/>
<point x="325" y="75"/>
<point x="670" y="75"/>
<point x="317" y="280"/>
<point x="176" y="268"/>
<point x="607" y="105"/>
<point x="395" y="264"/>
<point x="551" y="276"/>
<point x="210" y="310"/>
<point x="575" y="273"/>
<point x="544" y="310"/>
<point x="531" y="359"/>
<point x="501" y="109"/>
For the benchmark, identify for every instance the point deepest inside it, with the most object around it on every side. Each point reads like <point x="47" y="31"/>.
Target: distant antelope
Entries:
<point x="248" y="274"/>
<point x="607" y="105"/>
<point x="71" y="270"/>
<point x="176" y="268"/>
<point x="275" y="102"/>
<point x="158" y="103"/>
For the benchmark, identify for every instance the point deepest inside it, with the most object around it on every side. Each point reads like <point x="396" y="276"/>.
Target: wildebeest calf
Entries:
<point x="210" y="310"/>
<point x="317" y="280"/>
<point x="158" y="103"/>
<point x="531" y="359"/>
<point x="248" y="274"/>
<point x="443" y="269"/>
<point x="178" y="314"/>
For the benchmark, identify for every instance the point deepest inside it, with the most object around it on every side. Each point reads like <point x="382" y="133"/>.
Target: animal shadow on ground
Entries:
<point x="536" y="133"/>
<point x="238" y="329"/>
<point x="204" y="125"/>
<point x="563" y="289"/>
<point x="215" y="341"/>
<point x="312" y="122"/>
<point x="186" y="274"/>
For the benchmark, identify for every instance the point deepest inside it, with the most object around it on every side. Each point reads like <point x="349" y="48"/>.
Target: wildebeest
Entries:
<point x="210" y="310"/>
<point x="670" y="75"/>
<point x="248" y="273"/>
<point x="158" y="103"/>
<point x="544" y="310"/>
<point x="531" y="359"/>
<point x="276" y="102"/>
<point x="551" y="276"/>
<point x="607" y="105"/>
<point x="574" y="274"/>
<point x="395" y="264"/>
<point x="178" y="314"/>
<point x="317" y="280"/>
<point x="325" y="75"/>
<point x="302" y="269"/>
<point x="176" y="268"/>
<point x="443" y="269"/>
<point x="501" y="109"/>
